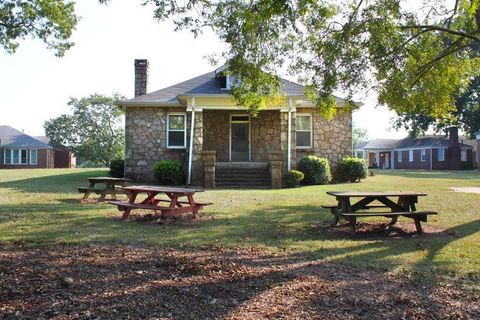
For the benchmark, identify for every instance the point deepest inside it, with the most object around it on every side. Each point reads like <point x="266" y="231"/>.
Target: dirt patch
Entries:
<point x="382" y="230"/>
<point x="467" y="189"/>
<point x="126" y="282"/>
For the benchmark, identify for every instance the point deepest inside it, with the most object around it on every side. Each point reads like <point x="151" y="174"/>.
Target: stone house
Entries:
<point x="198" y="123"/>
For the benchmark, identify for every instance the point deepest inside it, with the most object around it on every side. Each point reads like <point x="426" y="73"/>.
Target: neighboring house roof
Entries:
<point x="377" y="144"/>
<point x="43" y="139"/>
<point x="408" y="143"/>
<point x="12" y="138"/>
<point x="207" y="84"/>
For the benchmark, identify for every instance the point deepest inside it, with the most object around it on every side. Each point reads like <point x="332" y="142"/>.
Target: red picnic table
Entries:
<point x="151" y="202"/>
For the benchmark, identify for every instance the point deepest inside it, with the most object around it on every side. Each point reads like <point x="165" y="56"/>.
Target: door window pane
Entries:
<point x="23" y="156"/>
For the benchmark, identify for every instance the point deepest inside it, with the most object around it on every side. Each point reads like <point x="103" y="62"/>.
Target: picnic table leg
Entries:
<point x="418" y="225"/>
<point x="191" y="201"/>
<point x="87" y="193"/>
<point x="131" y="199"/>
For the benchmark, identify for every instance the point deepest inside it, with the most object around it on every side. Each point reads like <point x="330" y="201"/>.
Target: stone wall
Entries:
<point x="145" y="141"/>
<point x="331" y="139"/>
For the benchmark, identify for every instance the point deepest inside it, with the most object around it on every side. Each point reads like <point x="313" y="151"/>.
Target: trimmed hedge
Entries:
<point x="293" y="178"/>
<point x="353" y="169"/>
<point x="168" y="172"/>
<point x="117" y="168"/>
<point x="315" y="169"/>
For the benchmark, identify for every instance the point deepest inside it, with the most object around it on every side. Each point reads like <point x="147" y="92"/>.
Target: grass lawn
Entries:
<point x="41" y="207"/>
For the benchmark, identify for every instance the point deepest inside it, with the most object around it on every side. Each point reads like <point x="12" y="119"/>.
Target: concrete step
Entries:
<point x="242" y="174"/>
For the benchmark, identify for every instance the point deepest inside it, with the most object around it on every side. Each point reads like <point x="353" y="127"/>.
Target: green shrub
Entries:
<point x="293" y="178"/>
<point x="353" y="169"/>
<point x="315" y="169"/>
<point x="168" y="172"/>
<point x="117" y="168"/>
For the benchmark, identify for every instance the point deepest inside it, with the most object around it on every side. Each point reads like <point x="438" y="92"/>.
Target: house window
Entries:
<point x="7" y="156"/>
<point x="423" y="155"/>
<point x="400" y="156"/>
<point x="304" y="131"/>
<point x="410" y="155"/>
<point x="15" y="156"/>
<point x="176" y="130"/>
<point x="463" y="155"/>
<point x="33" y="156"/>
<point x="441" y="154"/>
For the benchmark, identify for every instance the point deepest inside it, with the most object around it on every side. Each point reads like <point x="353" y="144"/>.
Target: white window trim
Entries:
<point x="438" y="154"/>
<point x="36" y="156"/>
<point x="249" y="134"/>
<point x="463" y="152"/>
<point x="423" y="155"/>
<point x="184" y="130"/>
<point x="400" y="156"/>
<point x="410" y="155"/>
<point x="311" y="130"/>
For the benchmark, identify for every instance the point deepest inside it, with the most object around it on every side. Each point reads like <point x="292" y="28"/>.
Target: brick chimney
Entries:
<point x="141" y="77"/>
<point x="454" y="149"/>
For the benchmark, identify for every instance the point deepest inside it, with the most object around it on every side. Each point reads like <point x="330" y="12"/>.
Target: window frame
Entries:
<point x="30" y="156"/>
<point x="423" y="155"/>
<point x="410" y="155"/>
<point x="400" y="156"/>
<point x="463" y="155"/>
<point x="443" y="154"/>
<point x="310" y="146"/>
<point x="167" y="131"/>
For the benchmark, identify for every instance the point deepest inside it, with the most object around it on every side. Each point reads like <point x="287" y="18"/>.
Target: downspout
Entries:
<point x="190" y="155"/>
<point x="289" y="135"/>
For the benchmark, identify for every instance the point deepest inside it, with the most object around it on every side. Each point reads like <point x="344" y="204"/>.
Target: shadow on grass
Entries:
<point x="58" y="183"/>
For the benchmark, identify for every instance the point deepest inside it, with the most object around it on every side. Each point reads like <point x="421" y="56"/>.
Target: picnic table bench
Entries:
<point x="405" y="206"/>
<point x="112" y="186"/>
<point x="150" y="202"/>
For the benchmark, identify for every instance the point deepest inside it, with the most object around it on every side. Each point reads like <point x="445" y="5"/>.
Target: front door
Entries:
<point x="240" y="138"/>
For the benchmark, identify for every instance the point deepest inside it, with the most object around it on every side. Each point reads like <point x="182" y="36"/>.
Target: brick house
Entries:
<point x="224" y="145"/>
<point x="21" y="151"/>
<point x="428" y="153"/>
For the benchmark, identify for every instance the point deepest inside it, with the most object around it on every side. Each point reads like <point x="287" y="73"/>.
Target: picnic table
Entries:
<point x="404" y="206"/>
<point x="173" y="206"/>
<point x="112" y="186"/>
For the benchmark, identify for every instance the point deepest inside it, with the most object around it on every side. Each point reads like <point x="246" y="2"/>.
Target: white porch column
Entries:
<point x="190" y="153"/>
<point x="289" y="135"/>
<point x="392" y="166"/>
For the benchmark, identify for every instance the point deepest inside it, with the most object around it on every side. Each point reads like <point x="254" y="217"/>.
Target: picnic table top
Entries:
<point x="352" y="194"/>
<point x="107" y="179"/>
<point x="162" y="189"/>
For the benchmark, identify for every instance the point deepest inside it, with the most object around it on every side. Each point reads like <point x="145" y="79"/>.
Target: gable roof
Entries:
<point x="207" y="84"/>
<point x="377" y="144"/>
<point x="12" y="138"/>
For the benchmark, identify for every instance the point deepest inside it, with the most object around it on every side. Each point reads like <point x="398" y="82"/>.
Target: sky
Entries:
<point x="35" y="85"/>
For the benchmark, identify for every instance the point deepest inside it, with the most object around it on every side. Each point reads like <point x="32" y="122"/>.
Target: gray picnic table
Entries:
<point x="405" y="206"/>
<point x="112" y="186"/>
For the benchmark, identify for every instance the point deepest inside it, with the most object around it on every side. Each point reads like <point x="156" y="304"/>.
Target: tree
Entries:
<point x="416" y="57"/>
<point x="359" y="135"/>
<point x="93" y="131"/>
<point x="466" y="115"/>
<point x="51" y="21"/>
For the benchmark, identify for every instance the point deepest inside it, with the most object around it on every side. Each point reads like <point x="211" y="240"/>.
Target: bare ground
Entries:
<point x="127" y="282"/>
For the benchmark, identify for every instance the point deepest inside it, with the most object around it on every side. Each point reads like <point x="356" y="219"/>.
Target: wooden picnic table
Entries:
<point x="112" y="186"/>
<point x="405" y="206"/>
<point x="174" y="206"/>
